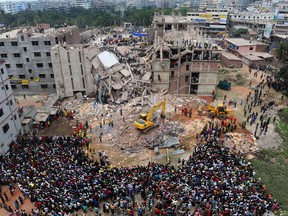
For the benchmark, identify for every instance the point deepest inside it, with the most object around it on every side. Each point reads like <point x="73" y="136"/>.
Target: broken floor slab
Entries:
<point x="178" y="151"/>
<point x="170" y="142"/>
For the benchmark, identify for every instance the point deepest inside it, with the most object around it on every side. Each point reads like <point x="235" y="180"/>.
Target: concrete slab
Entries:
<point x="170" y="142"/>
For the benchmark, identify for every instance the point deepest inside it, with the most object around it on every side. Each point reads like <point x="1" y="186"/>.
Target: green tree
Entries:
<point x="282" y="57"/>
<point x="282" y="53"/>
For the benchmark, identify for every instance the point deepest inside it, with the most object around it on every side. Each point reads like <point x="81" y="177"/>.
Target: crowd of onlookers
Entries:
<point x="59" y="178"/>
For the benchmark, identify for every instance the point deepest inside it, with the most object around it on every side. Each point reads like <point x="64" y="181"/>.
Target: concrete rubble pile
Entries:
<point x="121" y="74"/>
<point x="242" y="142"/>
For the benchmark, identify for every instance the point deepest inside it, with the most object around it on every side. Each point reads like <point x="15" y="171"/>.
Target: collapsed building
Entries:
<point x="123" y="72"/>
<point x="93" y="70"/>
<point x="186" y="67"/>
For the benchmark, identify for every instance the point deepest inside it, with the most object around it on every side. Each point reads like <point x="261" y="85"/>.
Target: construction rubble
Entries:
<point x="124" y="135"/>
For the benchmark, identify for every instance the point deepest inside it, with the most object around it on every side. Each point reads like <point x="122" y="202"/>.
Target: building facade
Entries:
<point x="73" y="70"/>
<point x="10" y="124"/>
<point x="188" y="71"/>
<point x="213" y="21"/>
<point x="13" y="7"/>
<point x="27" y="55"/>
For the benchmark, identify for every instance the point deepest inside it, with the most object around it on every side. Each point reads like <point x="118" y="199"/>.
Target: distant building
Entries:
<point x="73" y="69"/>
<point x="82" y="3"/>
<point x="13" y="7"/>
<point x="281" y="19"/>
<point x="27" y="55"/>
<point x="251" y="19"/>
<point x="213" y="21"/>
<point x="38" y="5"/>
<point x="10" y="124"/>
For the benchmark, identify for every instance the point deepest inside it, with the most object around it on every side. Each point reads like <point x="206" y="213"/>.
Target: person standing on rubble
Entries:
<point x="190" y="113"/>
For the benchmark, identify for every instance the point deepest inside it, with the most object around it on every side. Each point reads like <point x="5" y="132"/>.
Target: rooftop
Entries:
<point x="230" y="56"/>
<point x="33" y="32"/>
<point x="243" y="42"/>
<point x="256" y="55"/>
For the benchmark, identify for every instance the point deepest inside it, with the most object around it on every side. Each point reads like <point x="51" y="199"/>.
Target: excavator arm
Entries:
<point x="154" y="108"/>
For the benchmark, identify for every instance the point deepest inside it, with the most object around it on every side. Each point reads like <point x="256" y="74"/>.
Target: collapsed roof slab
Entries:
<point x="107" y="59"/>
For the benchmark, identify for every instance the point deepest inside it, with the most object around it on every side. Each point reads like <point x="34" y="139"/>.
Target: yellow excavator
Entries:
<point x="145" y="122"/>
<point x="222" y="34"/>
<point x="220" y="111"/>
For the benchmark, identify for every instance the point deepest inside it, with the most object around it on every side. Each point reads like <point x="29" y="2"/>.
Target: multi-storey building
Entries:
<point x="72" y="69"/>
<point x="13" y="7"/>
<point x="187" y="70"/>
<point x="212" y="21"/>
<point x="281" y="19"/>
<point x="27" y="54"/>
<point x="10" y="124"/>
<point x="251" y="19"/>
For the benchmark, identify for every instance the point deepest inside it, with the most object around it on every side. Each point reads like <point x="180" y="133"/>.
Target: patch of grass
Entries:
<point x="272" y="165"/>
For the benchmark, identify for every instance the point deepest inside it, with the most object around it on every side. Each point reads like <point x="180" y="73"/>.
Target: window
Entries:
<point x="172" y="74"/>
<point x="3" y="55"/>
<point x="251" y="48"/>
<point x="1" y="43"/>
<point x="80" y="57"/>
<point x="11" y="102"/>
<point x="37" y="54"/>
<point x="72" y="83"/>
<point x="7" y="65"/>
<point x="10" y="76"/>
<point x="54" y="86"/>
<point x="1" y="112"/>
<point x="22" y="37"/>
<point x="42" y="76"/>
<point x="47" y="43"/>
<point x="186" y="78"/>
<point x="35" y="43"/>
<point x="159" y="78"/>
<point x="31" y="78"/>
<point x="5" y="128"/>
<point x="70" y="69"/>
<point x="30" y="70"/>
<point x="52" y="75"/>
<point x="14" y="43"/>
<point x="15" y="117"/>
<point x="83" y="81"/>
<point x="25" y="86"/>
<point x="48" y="54"/>
<point x="2" y="70"/>
<point x="22" y="76"/>
<point x="39" y="65"/>
<point x="27" y="59"/>
<point x="7" y="87"/>
<point x="68" y="56"/>
<point x="25" y="49"/>
<point x="44" y="86"/>
<point x="13" y="86"/>
<point x="187" y="67"/>
<point x="50" y="65"/>
<point x="81" y="67"/>
<point x="16" y="55"/>
<point x="19" y="65"/>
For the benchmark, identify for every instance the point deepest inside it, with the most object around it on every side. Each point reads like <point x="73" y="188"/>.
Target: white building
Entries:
<point x="13" y="7"/>
<point x="10" y="124"/>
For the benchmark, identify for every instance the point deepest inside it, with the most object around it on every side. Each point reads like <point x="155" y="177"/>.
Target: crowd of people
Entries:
<point x="59" y="178"/>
